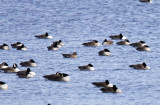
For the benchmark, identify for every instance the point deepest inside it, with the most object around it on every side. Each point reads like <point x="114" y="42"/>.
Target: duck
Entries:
<point x="104" y="52"/>
<point x="44" y="36"/>
<point x="31" y="63"/>
<point x="86" y="67"/>
<point x="74" y="55"/>
<point x="3" y="65"/>
<point x="13" y="69"/>
<point x="17" y="44"/>
<point x="125" y="42"/>
<point x="120" y="36"/>
<point x="143" y="48"/>
<point x="26" y="73"/>
<point x="93" y="43"/>
<point x="113" y="89"/>
<point x="22" y="47"/>
<point x="3" y="85"/>
<point x="102" y="84"/>
<point x="4" y="47"/>
<point x="138" y="44"/>
<point x="58" y="77"/>
<point x="140" y="66"/>
<point x="107" y="42"/>
<point x="53" y="47"/>
<point x="146" y="1"/>
<point x="59" y="43"/>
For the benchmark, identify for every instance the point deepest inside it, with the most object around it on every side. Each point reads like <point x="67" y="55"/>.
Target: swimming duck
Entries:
<point x="3" y="65"/>
<point x="3" y="85"/>
<point x="22" y="47"/>
<point x="102" y="84"/>
<point x="86" y="67"/>
<point x="44" y="36"/>
<point x="113" y="89"/>
<point x="138" y="44"/>
<point x="104" y="52"/>
<point x="120" y="36"/>
<point x="58" y="77"/>
<point x="31" y="63"/>
<point x="26" y="73"/>
<point x="140" y="66"/>
<point x="143" y="48"/>
<point x="93" y="43"/>
<point x="74" y="55"/>
<point x="107" y="42"/>
<point x="53" y="47"/>
<point x="146" y="1"/>
<point x="15" y="45"/>
<point x="4" y="47"/>
<point x="13" y="69"/>
<point x="125" y="42"/>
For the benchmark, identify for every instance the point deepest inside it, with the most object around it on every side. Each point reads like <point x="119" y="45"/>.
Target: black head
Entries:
<point x="2" y="83"/>
<point x="5" y="44"/>
<point x="15" y="65"/>
<point x="120" y="35"/>
<point x="114" y="88"/>
<point x="18" y="42"/>
<point x="106" y="50"/>
<point x="55" y="44"/>
<point x="60" y="41"/>
<point x="22" y="46"/>
<point x="46" y="34"/>
<point x="105" y="40"/>
<point x="28" y="71"/>
<point x="5" y="64"/>
<point x="90" y="65"/>
<point x="126" y="40"/>
<point x="142" y="42"/>
<point x="146" y="46"/>
<point x="64" y="75"/>
<point x="95" y="41"/>
<point x="107" y="82"/>
<point x="144" y="64"/>
<point x="31" y="60"/>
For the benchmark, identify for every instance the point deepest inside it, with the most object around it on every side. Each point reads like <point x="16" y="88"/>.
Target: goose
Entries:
<point x="13" y="69"/>
<point x="146" y="1"/>
<point x="74" y="55"/>
<point x="3" y="85"/>
<point x="140" y="66"/>
<point x="104" y="52"/>
<point x="60" y="43"/>
<point x="4" y="47"/>
<point x="44" y="36"/>
<point x="93" y="43"/>
<point x="31" y="63"/>
<point x="26" y="73"/>
<point x="86" y="67"/>
<point x="120" y="36"/>
<point x="58" y="77"/>
<point x="15" y="45"/>
<point x="3" y="65"/>
<point x="138" y="44"/>
<point x="107" y="42"/>
<point x="53" y="47"/>
<point x="102" y="84"/>
<point x="113" y="89"/>
<point x="144" y="48"/>
<point x="22" y="47"/>
<point x="125" y="42"/>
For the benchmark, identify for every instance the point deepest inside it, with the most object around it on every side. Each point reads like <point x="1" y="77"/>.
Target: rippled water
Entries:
<point x="75" y="22"/>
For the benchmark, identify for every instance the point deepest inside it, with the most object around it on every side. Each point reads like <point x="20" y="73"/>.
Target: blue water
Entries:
<point x="75" y="22"/>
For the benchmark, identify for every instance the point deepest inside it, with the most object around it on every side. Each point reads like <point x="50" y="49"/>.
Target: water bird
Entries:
<point x="113" y="89"/>
<point x="146" y="1"/>
<point x="12" y="69"/>
<point x="93" y="43"/>
<point x="107" y="42"/>
<point x="104" y="52"/>
<point x="58" y="43"/>
<point x="4" y="47"/>
<point x="17" y="44"/>
<point x="3" y="65"/>
<point x="138" y="44"/>
<point x="3" y="85"/>
<point x="125" y="42"/>
<point x="53" y="47"/>
<point x="22" y="47"/>
<point x="74" y="55"/>
<point x="143" y="48"/>
<point x="58" y="77"/>
<point x="26" y="73"/>
<point x="30" y="63"/>
<point x="86" y="67"/>
<point x="140" y="66"/>
<point x="102" y="84"/>
<point x="120" y="36"/>
<point x="44" y="36"/>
